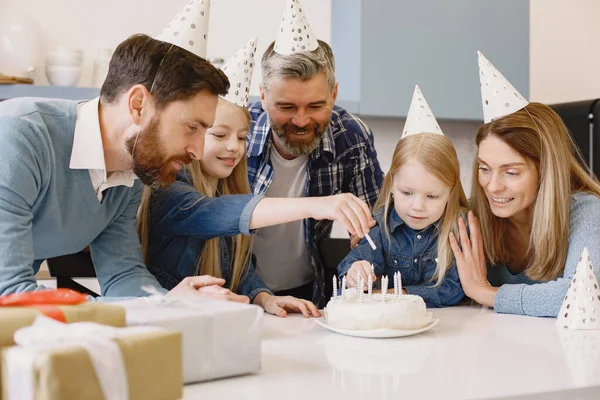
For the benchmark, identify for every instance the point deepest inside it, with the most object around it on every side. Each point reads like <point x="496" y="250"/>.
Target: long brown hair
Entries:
<point x="538" y="134"/>
<point x="209" y="260"/>
<point x="437" y="154"/>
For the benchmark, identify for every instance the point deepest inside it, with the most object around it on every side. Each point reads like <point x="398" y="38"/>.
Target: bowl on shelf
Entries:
<point x="63" y="75"/>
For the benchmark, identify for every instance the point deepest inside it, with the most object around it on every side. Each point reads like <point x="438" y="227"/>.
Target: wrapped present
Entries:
<point x="53" y="361"/>
<point x="220" y="338"/>
<point x="20" y="310"/>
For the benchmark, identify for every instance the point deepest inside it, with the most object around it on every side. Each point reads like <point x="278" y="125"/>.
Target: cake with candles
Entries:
<point x="356" y="310"/>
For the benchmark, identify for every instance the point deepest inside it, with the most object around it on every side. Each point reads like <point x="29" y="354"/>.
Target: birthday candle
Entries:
<point x="360" y="286"/>
<point x="371" y="243"/>
<point x="335" y="288"/>
<point x="399" y="284"/>
<point x="396" y="284"/>
<point x="384" y="288"/>
<point x="370" y="284"/>
<point x="344" y="285"/>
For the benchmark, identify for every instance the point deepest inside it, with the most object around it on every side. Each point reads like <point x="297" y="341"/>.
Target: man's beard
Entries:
<point x="150" y="163"/>
<point x="299" y="147"/>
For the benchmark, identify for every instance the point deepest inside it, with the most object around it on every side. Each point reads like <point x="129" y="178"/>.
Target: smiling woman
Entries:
<point x="538" y="208"/>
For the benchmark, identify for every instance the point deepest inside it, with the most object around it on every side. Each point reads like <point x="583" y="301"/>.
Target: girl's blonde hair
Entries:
<point x="437" y="154"/>
<point x="538" y="134"/>
<point x="209" y="260"/>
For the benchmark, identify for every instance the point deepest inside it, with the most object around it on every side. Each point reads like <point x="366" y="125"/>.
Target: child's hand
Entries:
<point x="363" y="268"/>
<point x="281" y="305"/>
<point x="346" y="208"/>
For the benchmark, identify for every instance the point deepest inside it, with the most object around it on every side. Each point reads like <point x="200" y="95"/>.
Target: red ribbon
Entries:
<point x="46" y="301"/>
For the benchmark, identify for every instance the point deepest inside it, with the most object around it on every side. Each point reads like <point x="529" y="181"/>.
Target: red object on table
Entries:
<point x="47" y="301"/>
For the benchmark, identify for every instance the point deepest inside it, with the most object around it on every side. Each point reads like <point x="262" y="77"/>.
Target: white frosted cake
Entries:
<point x="402" y="312"/>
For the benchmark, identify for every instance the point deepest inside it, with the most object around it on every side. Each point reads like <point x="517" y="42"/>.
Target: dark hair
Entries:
<point x="168" y="71"/>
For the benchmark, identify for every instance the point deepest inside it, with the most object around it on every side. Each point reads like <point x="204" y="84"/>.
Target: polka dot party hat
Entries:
<point x="189" y="28"/>
<point x="498" y="96"/>
<point x="295" y="34"/>
<point x="420" y="119"/>
<point x="581" y="306"/>
<point x="239" y="72"/>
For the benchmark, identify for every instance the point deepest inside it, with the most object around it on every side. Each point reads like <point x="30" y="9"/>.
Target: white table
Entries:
<point x="472" y="353"/>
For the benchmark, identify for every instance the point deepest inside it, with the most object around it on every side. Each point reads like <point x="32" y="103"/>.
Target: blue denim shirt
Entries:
<point x="411" y="252"/>
<point x="182" y="219"/>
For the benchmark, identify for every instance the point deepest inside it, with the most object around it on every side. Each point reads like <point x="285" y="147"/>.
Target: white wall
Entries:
<point x="93" y="24"/>
<point x="565" y="50"/>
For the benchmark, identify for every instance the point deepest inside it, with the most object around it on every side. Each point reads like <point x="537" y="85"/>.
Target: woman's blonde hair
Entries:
<point x="209" y="260"/>
<point x="437" y="154"/>
<point x="538" y="134"/>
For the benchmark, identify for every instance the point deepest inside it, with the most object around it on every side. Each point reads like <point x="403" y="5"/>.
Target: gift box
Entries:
<point x="20" y="310"/>
<point x="220" y="338"/>
<point x="86" y="360"/>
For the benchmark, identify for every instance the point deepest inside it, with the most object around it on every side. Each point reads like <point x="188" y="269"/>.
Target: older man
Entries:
<point x="300" y="144"/>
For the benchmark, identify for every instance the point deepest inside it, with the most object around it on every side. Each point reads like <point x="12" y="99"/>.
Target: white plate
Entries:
<point x="377" y="333"/>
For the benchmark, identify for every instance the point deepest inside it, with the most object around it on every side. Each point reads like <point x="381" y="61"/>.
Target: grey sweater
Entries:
<point x="517" y="294"/>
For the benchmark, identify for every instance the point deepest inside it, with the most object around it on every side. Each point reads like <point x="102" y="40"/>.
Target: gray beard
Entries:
<point x="297" y="149"/>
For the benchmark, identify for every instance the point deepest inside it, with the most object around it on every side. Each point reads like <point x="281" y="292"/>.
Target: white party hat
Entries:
<point x="295" y="34"/>
<point x="239" y="71"/>
<point x="581" y="307"/>
<point x="189" y="28"/>
<point x="420" y="119"/>
<point x="498" y="96"/>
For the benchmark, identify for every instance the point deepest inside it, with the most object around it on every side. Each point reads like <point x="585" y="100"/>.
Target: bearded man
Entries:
<point x="301" y="144"/>
<point x="69" y="170"/>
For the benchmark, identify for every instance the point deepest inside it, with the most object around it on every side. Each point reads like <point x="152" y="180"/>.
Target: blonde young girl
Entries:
<point x="421" y="201"/>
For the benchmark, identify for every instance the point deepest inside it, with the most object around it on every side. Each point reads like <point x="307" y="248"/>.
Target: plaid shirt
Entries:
<point x="344" y="162"/>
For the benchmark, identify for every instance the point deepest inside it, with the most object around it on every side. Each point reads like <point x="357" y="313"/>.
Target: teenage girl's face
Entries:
<point x="225" y="143"/>
<point x="420" y="198"/>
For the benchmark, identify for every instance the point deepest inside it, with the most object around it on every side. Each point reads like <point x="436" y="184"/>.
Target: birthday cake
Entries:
<point x="355" y="310"/>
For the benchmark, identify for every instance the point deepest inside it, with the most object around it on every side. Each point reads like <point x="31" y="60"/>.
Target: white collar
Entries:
<point x="88" y="151"/>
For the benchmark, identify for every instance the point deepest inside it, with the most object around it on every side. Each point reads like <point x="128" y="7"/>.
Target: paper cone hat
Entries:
<point x="189" y="28"/>
<point x="498" y="96"/>
<point x="295" y="34"/>
<point x="581" y="307"/>
<point x="239" y="71"/>
<point x="420" y="119"/>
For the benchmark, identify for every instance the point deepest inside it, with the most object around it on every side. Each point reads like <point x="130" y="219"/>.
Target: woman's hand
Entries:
<point x="470" y="262"/>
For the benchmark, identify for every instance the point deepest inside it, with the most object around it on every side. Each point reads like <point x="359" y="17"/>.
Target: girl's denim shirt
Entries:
<point x="412" y="253"/>
<point x="182" y="219"/>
